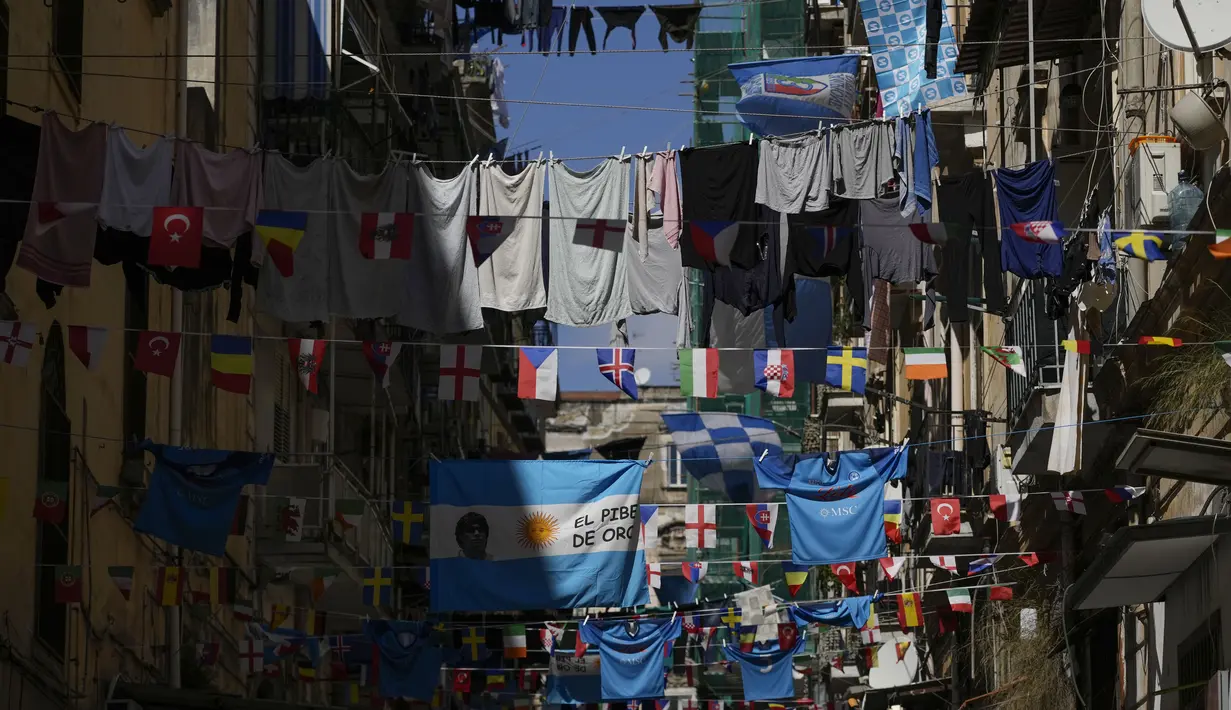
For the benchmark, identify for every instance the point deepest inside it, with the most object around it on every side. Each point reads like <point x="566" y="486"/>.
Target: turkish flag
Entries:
<point x="461" y="681"/>
<point x="846" y="575"/>
<point x="946" y="516"/>
<point x="787" y="635"/>
<point x="1000" y="593"/>
<point x="157" y="352"/>
<point x="175" y="237"/>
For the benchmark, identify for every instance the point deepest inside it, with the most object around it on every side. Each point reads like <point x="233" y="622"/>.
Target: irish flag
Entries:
<point x="926" y="364"/>
<point x="699" y="372"/>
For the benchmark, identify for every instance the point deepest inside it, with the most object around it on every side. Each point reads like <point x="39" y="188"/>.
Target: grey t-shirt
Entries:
<point x="863" y="160"/>
<point x="890" y="251"/>
<point x="793" y="174"/>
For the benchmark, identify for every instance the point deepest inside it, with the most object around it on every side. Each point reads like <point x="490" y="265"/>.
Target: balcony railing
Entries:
<point x="1039" y="338"/>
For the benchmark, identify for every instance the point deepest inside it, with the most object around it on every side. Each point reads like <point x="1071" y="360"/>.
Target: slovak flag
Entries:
<point x="616" y="364"/>
<point x="380" y="355"/>
<point x="764" y="517"/>
<point x="386" y="235"/>
<point x="709" y="243"/>
<point x="306" y="358"/>
<point x="694" y="571"/>
<point x="536" y="373"/>
<point x="1040" y="231"/>
<point x="747" y="571"/>
<point x="775" y="371"/>
<point x="486" y="234"/>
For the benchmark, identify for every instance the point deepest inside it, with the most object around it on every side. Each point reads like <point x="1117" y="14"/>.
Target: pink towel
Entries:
<point x="227" y="185"/>
<point x="58" y="244"/>
<point x="666" y="185"/>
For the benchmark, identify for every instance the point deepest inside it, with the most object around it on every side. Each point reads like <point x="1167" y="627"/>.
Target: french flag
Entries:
<point x="537" y="372"/>
<point x="709" y="243"/>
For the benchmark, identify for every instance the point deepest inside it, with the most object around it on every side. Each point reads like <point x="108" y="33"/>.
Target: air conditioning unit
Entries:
<point x="1154" y="171"/>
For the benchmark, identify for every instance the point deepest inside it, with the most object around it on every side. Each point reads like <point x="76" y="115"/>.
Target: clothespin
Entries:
<point x="820" y="127"/>
<point x="649" y="461"/>
<point x="750" y="137"/>
<point x="540" y="158"/>
<point x="645" y="150"/>
<point x="586" y="620"/>
<point x="621" y="152"/>
<point x="551" y="155"/>
<point x="473" y="160"/>
<point x="668" y="146"/>
<point x="763" y="452"/>
<point x="674" y="614"/>
<point x="905" y="442"/>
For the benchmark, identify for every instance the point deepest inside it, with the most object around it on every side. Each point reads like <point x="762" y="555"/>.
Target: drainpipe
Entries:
<point x="176" y="433"/>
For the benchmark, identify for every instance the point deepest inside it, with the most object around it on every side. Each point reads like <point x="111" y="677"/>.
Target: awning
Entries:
<point x="158" y="697"/>
<point x="1140" y="562"/>
<point x="1177" y="456"/>
<point x="996" y="33"/>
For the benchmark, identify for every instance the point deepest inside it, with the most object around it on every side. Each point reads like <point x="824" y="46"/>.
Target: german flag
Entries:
<point x="170" y="588"/>
<point x="222" y="585"/>
<point x="1158" y="340"/>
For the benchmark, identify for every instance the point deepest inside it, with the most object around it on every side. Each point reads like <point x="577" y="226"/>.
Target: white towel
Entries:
<point x="304" y="295"/>
<point x="360" y="287"/>
<point x="227" y="185"/>
<point x="512" y="278"/>
<point x="134" y="181"/>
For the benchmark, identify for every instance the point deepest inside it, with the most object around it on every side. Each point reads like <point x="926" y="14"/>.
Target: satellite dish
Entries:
<point x="1206" y="18"/>
<point x="642" y="375"/>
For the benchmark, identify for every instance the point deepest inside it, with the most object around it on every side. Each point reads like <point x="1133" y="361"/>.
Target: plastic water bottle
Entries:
<point x="1184" y="200"/>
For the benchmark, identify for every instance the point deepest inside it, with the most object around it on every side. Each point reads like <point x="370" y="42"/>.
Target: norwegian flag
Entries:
<point x="16" y="342"/>
<point x="616" y="364"/>
<point x="1072" y="501"/>
<point x="306" y="358"/>
<point x="654" y="572"/>
<point x="694" y="571"/>
<point x="601" y="233"/>
<point x="87" y="343"/>
<point x="747" y="571"/>
<point x="891" y="566"/>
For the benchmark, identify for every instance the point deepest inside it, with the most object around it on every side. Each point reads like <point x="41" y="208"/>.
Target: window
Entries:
<point x="68" y="28"/>
<point x="675" y="475"/>
<point x="203" y="47"/>
<point x="1199" y="657"/>
<point x="55" y="452"/>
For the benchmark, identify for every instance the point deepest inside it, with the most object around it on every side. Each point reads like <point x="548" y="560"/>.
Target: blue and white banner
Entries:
<point x="718" y="448"/>
<point x="510" y="535"/>
<point x="836" y="503"/>
<point x="801" y="92"/>
<point x="572" y="680"/>
<point x="897" y="37"/>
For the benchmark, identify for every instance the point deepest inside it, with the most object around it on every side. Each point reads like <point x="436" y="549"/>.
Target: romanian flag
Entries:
<point x="1141" y="245"/>
<point x="893" y="519"/>
<point x="795" y="575"/>
<point x="307" y="673"/>
<point x="222" y="584"/>
<point x="280" y="232"/>
<point x="170" y="589"/>
<point x="230" y="361"/>
<point x="1082" y="347"/>
<point x="1157" y="340"/>
<point x="910" y="610"/>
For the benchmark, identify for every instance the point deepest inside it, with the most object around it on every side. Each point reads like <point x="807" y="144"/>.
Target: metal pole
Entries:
<point x="1030" y="61"/>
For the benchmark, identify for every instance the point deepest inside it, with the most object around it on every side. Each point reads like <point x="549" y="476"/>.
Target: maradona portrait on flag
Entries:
<point x="510" y="535"/>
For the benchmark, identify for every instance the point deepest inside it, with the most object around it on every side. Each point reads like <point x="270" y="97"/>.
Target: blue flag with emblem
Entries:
<point x="509" y="535"/>
<point x="718" y="448"/>
<point x="836" y="502"/>
<point x="194" y="492"/>
<point x="780" y="97"/>
<point x="847" y="368"/>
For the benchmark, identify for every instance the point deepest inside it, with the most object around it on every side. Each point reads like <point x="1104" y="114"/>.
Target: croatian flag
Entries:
<point x="535" y="535"/>
<point x="616" y="364"/>
<point x="764" y="517"/>
<point x="775" y="371"/>
<point x="1040" y="231"/>
<point x="536" y="373"/>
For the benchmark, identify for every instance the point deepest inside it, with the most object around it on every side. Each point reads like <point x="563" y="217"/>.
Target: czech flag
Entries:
<point x="537" y="373"/>
<point x="709" y="243"/>
<point x="764" y="517"/>
<point x="230" y="361"/>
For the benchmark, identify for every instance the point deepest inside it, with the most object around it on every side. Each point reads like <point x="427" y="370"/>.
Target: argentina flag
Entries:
<point x="510" y="535"/>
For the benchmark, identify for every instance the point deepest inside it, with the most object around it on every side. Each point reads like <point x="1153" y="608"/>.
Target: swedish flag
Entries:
<point x="1142" y="245"/>
<point x="847" y="368"/>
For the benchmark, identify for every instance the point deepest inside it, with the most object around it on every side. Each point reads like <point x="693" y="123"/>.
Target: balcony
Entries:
<point x="324" y="540"/>
<point x="1031" y="400"/>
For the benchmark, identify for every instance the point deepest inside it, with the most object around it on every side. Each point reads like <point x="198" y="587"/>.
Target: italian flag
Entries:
<point x="1221" y="248"/>
<point x="515" y="641"/>
<point x="699" y="372"/>
<point x="959" y="600"/>
<point x="926" y="364"/>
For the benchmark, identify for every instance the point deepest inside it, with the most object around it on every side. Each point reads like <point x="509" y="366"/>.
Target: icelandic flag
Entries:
<point x="486" y="234"/>
<point x="708" y="243"/>
<point x="616" y="364"/>
<point x="764" y="518"/>
<point x="380" y="356"/>
<point x="536" y="373"/>
<point x="193" y="494"/>
<point x="509" y="535"/>
<point x="719" y="450"/>
<point x="775" y="371"/>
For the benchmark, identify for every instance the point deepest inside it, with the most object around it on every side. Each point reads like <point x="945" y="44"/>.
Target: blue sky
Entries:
<point x="627" y="79"/>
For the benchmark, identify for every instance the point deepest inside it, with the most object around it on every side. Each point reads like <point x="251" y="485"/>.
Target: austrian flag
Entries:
<point x="775" y="371"/>
<point x="307" y="357"/>
<point x="460" y="368"/>
<point x="386" y="235"/>
<point x="747" y="571"/>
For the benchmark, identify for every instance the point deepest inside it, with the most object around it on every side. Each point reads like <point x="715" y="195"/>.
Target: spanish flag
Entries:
<point x="1157" y="340"/>
<point x="170" y="589"/>
<point x="902" y="646"/>
<point x="910" y="610"/>
<point x="222" y="584"/>
<point x="230" y="361"/>
<point x="280" y="232"/>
